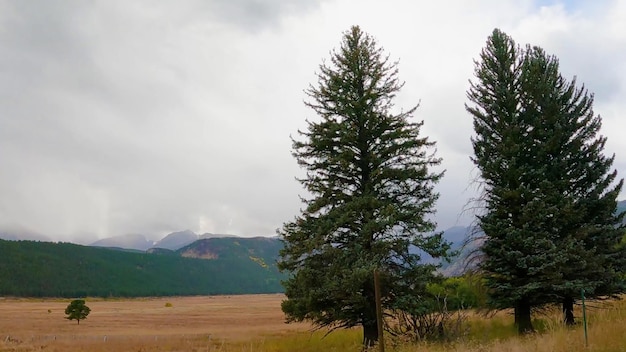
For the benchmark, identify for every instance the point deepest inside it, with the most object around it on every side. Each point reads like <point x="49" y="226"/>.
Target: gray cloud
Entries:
<point x="256" y="14"/>
<point x="151" y="117"/>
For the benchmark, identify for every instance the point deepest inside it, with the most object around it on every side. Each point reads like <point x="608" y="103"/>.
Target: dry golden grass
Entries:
<point x="255" y="323"/>
<point x="607" y="333"/>
<point x="140" y="324"/>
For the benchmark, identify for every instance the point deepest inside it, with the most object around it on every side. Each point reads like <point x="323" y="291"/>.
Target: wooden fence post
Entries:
<point x="379" y="312"/>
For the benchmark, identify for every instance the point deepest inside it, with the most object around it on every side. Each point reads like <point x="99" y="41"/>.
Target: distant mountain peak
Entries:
<point x="214" y="235"/>
<point x="176" y="240"/>
<point x="130" y="241"/>
<point x="172" y="241"/>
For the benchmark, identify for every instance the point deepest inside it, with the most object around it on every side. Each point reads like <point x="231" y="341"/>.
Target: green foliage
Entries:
<point x="77" y="310"/>
<point x="437" y="313"/>
<point x="464" y="292"/>
<point x="549" y="192"/>
<point x="40" y="269"/>
<point x="368" y="172"/>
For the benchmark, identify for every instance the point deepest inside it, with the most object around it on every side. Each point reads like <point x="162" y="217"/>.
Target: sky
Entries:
<point x="148" y="117"/>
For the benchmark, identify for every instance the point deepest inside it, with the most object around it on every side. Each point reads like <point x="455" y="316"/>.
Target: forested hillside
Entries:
<point x="237" y="266"/>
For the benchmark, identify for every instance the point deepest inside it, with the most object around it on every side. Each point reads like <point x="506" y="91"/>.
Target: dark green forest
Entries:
<point x="44" y="269"/>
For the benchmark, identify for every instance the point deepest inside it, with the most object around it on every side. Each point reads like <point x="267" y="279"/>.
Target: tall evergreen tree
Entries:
<point x="369" y="174"/>
<point x="578" y="183"/>
<point x="509" y="248"/>
<point x="549" y="192"/>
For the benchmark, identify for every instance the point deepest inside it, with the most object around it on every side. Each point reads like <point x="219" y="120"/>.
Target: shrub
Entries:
<point x="77" y="310"/>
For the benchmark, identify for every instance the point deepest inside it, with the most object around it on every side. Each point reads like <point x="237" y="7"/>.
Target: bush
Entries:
<point x="428" y="318"/>
<point x="460" y="292"/>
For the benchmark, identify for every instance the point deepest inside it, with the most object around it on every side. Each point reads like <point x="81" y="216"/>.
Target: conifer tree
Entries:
<point x="369" y="174"/>
<point x="549" y="192"/>
<point x="578" y="184"/>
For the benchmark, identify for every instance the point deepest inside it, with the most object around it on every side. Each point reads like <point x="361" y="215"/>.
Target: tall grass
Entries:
<point x="606" y="328"/>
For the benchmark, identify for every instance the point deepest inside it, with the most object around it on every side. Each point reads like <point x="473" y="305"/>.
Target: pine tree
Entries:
<point x="499" y="141"/>
<point x="549" y="193"/>
<point x="578" y="183"/>
<point x="369" y="175"/>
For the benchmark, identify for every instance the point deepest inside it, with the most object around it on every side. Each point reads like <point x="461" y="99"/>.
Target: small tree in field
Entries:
<point x="77" y="310"/>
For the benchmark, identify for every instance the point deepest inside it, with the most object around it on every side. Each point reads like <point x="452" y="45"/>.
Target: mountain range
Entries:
<point x="172" y="241"/>
<point x="181" y="263"/>
<point x="176" y="240"/>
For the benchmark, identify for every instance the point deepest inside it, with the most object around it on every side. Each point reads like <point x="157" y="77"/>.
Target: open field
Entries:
<point x="140" y="323"/>
<point x="255" y="323"/>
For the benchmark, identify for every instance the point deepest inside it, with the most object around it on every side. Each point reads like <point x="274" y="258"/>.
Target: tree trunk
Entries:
<point x="78" y="321"/>
<point x="522" y="317"/>
<point x="370" y="334"/>
<point x="369" y="320"/>
<point x="568" y="311"/>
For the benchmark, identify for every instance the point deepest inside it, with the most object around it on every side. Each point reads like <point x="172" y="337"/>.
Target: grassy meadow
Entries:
<point x="255" y="323"/>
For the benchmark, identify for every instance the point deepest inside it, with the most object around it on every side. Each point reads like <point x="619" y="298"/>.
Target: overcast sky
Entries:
<point x="149" y="117"/>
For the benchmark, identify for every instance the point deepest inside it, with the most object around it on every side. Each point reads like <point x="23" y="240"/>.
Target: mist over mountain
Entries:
<point x="21" y="234"/>
<point x="179" y="239"/>
<point x="131" y="241"/>
<point x="176" y="240"/>
<point x="171" y="241"/>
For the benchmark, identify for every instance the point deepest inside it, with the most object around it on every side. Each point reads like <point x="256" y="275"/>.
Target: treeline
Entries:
<point x="42" y="269"/>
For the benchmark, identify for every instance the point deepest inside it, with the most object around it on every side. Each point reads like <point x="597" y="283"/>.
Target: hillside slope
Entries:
<point x="68" y="270"/>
